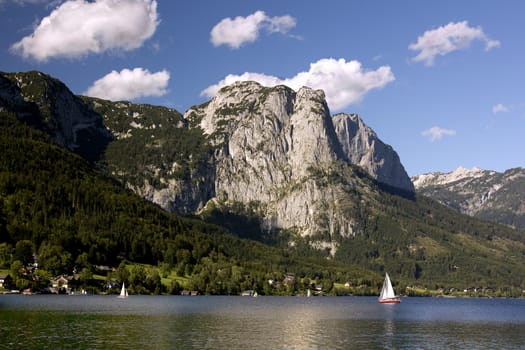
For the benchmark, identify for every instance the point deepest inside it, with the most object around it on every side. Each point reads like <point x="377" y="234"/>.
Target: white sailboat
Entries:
<point x="123" y="292"/>
<point x="387" y="295"/>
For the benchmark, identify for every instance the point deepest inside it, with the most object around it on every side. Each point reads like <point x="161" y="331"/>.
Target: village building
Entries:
<point x="64" y="284"/>
<point x="5" y="280"/>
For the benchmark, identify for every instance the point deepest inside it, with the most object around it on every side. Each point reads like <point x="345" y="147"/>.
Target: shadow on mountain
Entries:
<point x="53" y="114"/>
<point x="396" y="191"/>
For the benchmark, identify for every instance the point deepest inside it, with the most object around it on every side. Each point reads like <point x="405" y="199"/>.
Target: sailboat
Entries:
<point x="387" y="295"/>
<point x="123" y="292"/>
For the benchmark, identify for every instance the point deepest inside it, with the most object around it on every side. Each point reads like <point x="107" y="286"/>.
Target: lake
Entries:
<point x="222" y="322"/>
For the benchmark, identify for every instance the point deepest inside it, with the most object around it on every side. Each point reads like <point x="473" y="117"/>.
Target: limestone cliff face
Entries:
<point x="283" y="150"/>
<point x="266" y="138"/>
<point x="362" y="147"/>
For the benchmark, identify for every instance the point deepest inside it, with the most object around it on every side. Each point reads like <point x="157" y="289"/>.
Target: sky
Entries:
<point x="442" y="82"/>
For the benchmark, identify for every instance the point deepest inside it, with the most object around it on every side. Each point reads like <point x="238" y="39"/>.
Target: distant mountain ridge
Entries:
<point x="485" y="194"/>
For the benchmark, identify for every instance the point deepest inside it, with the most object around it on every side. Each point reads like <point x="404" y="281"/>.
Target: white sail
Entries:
<point x="387" y="292"/>
<point x="123" y="292"/>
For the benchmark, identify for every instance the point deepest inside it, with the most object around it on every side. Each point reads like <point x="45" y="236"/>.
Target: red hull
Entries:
<point x="390" y="301"/>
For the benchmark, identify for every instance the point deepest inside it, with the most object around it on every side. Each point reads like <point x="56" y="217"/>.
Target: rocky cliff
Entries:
<point x="362" y="147"/>
<point x="485" y="194"/>
<point x="270" y="153"/>
<point x="283" y="153"/>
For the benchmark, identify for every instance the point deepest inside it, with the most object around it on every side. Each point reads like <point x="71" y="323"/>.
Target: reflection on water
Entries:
<point x="97" y="322"/>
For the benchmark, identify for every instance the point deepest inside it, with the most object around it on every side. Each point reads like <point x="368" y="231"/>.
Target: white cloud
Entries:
<point x="436" y="133"/>
<point x="130" y="84"/>
<point x="77" y="28"/>
<point x="499" y="108"/>
<point x="240" y="30"/>
<point x="344" y="83"/>
<point x="448" y="38"/>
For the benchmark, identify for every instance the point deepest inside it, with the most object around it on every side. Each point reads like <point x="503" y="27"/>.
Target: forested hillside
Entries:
<point x="75" y="218"/>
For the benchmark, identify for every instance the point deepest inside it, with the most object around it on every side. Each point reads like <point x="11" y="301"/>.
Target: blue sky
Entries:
<point x="442" y="82"/>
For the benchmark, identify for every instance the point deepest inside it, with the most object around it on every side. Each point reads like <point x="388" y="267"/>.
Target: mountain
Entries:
<point x="47" y="104"/>
<point x="250" y="146"/>
<point x="57" y="205"/>
<point x="154" y="153"/>
<point x="269" y="164"/>
<point x="486" y="194"/>
<point x="275" y="148"/>
<point x="362" y="147"/>
<point x="150" y="149"/>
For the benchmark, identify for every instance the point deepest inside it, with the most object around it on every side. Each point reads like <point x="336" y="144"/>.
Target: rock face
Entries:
<point x="485" y="194"/>
<point x="269" y="153"/>
<point x="362" y="147"/>
<point x="273" y="147"/>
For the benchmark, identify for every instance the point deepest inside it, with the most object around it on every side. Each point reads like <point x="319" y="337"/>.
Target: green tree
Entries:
<point x="17" y="268"/>
<point x="42" y="278"/>
<point x="18" y="273"/>
<point x="137" y="275"/>
<point x="6" y="254"/>
<point x="122" y="273"/>
<point x="165" y="269"/>
<point x="86" y="275"/>
<point x="54" y="259"/>
<point x="82" y="260"/>
<point x="24" y="251"/>
<point x="175" y="288"/>
<point x="153" y="282"/>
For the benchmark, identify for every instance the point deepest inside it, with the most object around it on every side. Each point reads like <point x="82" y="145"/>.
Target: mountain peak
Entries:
<point x="274" y="144"/>
<point x="458" y="174"/>
<point x="362" y="147"/>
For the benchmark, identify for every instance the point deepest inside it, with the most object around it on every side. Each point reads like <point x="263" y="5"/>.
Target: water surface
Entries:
<point x="220" y="322"/>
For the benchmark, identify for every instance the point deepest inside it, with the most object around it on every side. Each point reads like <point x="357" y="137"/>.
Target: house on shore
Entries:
<point x="5" y="281"/>
<point x="64" y="284"/>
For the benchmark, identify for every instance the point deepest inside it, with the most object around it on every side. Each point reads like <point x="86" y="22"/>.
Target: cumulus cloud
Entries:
<point x="344" y="83"/>
<point x="77" y="28"/>
<point x="130" y="84"/>
<point x="448" y="38"/>
<point x="436" y="133"/>
<point x="499" y="108"/>
<point x="240" y="30"/>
